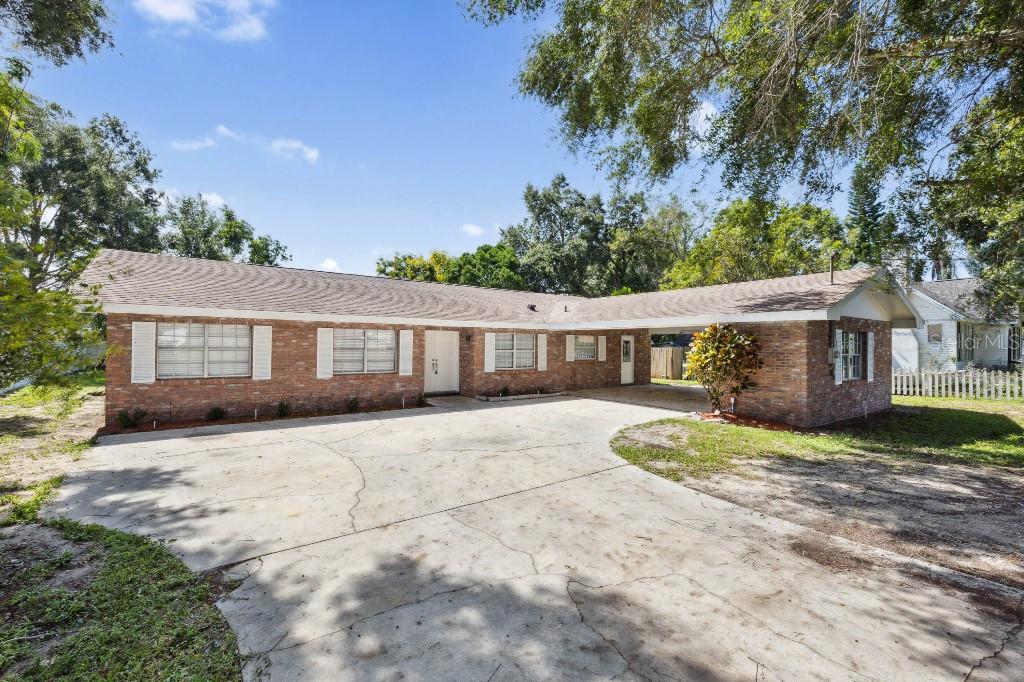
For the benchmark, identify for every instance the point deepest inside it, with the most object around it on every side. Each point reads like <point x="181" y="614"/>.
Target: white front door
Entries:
<point x="628" y="351"/>
<point x="442" y="362"/>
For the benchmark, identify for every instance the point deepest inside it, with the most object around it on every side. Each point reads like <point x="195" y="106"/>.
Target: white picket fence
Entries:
<point x="968" y="383"/>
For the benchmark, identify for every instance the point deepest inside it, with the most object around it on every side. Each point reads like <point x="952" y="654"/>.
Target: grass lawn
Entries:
<point x="32" y="419"/>
<point x="930" y="429"/>
<point x="675" y="382"/>
<point x="80" y="601"/>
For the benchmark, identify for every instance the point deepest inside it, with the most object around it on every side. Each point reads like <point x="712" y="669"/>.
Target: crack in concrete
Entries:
<point x="361" y="620"/>
<point x="445" y="451"/>
<point x="359" y="493"/>
<point x="742" y="610"/>
<point x="379" y="424"/>
<point x="1010" y="634"/>
<point x="496" y="538"/>
<point x="422" y="516"/>
<point x="583" y="621"/>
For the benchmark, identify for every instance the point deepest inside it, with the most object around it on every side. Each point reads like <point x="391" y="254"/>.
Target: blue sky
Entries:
<point x="347" y="130"/>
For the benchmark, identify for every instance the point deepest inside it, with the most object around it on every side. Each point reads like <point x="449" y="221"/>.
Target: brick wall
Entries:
<point x="560" y="375"/>
<point x="293" y="378"/>
<point x="294" y="374"/>
<point x="797" y="383"/>
<point x="829" y="403"/>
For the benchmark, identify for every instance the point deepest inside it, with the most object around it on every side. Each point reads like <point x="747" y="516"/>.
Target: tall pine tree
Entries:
<point x="864" y="220"/>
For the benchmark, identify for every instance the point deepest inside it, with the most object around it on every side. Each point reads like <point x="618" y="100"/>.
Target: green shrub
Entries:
<point x="352" y="405"/>
<point x="215" y="414"/>
<point x="129" y="419"/>
<point x="283" y="408"/>
<point x="723" y="360"/>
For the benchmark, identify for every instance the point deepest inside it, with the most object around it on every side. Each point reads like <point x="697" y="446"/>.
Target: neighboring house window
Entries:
<point x="586" y="348"/>
<point x="965" y="342"/>
<point x="935" y="333"/>
<point x="852" y="350"/>
<point x="365" y="351"/>
<point x="192" y="350"/>
<point x="514" y="351"/>
<point x="1015" y="339"/>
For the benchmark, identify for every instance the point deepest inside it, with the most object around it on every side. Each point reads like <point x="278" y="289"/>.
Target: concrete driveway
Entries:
<point x="504" y="541"/>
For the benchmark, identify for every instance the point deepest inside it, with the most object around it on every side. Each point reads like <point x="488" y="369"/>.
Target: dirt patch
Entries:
<point x="42" y="452"/>
<point x="669" y="436"/>
<point x="829" y="554"/>
<point x="728" y="418"/>
<point x="970" y="519"/>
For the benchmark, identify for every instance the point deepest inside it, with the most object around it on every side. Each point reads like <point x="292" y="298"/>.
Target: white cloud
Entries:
<point x="213" y="199"/>
<point x="329" y="264"/>
<point x="472" y="230"/>
<point x="285" y="147"/>
<point x="224" y="131"/>
<point x="193" y="145"/>
<point x="247" y="28"/>
<point x="290" y="148"/>
<point x="169" y="11"/>
<point x="231" y="20"/>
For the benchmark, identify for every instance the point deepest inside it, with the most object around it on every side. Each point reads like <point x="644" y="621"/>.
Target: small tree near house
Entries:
<point x="723" y="360"/>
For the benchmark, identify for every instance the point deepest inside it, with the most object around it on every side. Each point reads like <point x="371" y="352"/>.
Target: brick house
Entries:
<point x="187" y="335"/>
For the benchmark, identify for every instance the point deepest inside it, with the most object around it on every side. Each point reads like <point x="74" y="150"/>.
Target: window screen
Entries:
<point x="180" y="349"/>
<point x="504" y="351"/>
<point x="189" y="349"/>
<point x="525" y="350"/>
<point x="586" y="348"/>
<point x="381" y="350"/>
<point x="349" y="349"/>
<point x="358" y="351"/>
<point x="514" y="351"/>
<point x="853" y="355"/>
<point x="228" y="350"/>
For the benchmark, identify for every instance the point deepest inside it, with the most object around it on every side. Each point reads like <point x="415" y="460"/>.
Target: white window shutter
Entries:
<point x="262" y="346"/>
<point x="839" y="356"/>
<point x="871" y="356"/>
<point x="570" y="347"/>
<point x="324" y="353"/>
<point x="405" y="352"/>
<point x="489" y="351"/>
<point x="542" y="352"/>
<point x="143" y="352"/>
<point x="602" y="348"/>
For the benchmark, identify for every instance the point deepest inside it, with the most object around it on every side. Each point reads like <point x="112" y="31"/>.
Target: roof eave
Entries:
<point x="679" y="321"/>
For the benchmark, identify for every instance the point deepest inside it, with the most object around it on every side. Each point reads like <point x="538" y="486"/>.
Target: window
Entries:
<point x="852" y="351"/>
<point x="227" y="350"/>
<point x="965" y="342"/>
<point x="935" y="333"/>
<point x="586" y="348"/>
<point x="514" y="351"/>
<point x="362" y="351"/>
<point x="191" y="350"/>
<point x="1015" y="339"/>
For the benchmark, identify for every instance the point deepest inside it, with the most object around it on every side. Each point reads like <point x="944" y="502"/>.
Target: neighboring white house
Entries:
<point x="955" y="333"/>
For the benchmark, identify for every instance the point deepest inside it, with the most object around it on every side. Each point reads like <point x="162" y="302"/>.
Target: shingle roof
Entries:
<point x="145" y="279"/>
<point x="958" y="294"/>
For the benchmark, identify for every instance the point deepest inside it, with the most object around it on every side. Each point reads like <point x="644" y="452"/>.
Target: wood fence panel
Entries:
<point x="667" y="363"/>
